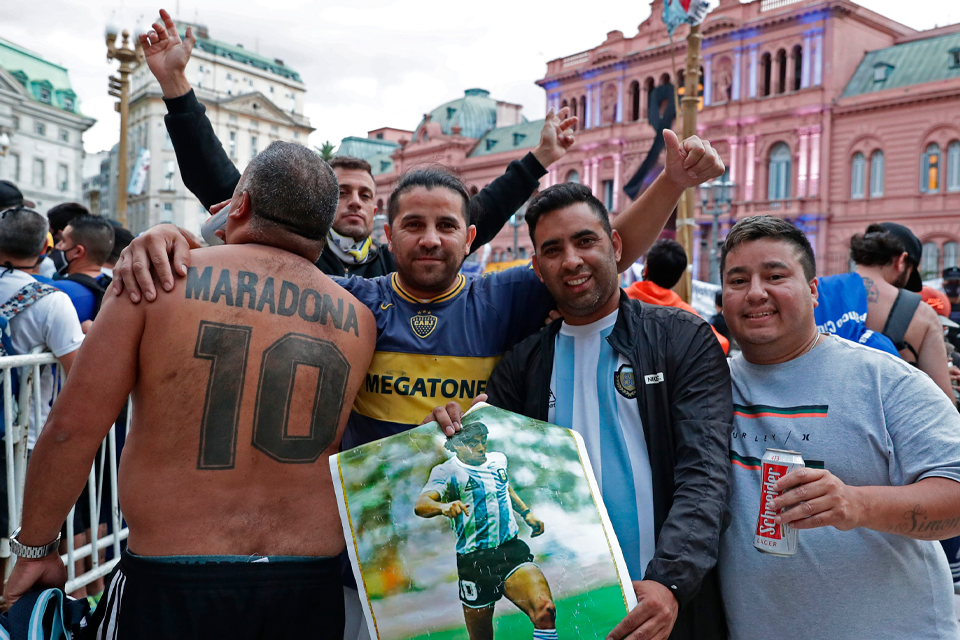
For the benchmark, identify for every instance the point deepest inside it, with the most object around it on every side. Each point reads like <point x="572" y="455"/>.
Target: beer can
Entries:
<point x="772" y="537"/>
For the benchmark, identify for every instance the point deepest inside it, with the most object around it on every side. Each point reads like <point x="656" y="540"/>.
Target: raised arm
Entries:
<point x="100" y="380"/>
<point x="688" y="164"/>
<point x="204" y="165"/>
<point x="497" y="202"/>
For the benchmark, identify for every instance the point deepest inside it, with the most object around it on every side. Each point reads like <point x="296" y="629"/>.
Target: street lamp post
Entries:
<point x="128" y="56"/>
<point x="722" y="193"/>
<point x="517" y="221"/>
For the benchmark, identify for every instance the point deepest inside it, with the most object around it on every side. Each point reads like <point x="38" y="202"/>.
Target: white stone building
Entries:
<point x="40" y="114"/>
<point x="251" y="101"/>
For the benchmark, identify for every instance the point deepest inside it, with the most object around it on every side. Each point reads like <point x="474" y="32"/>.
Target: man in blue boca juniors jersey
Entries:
<point x="473" y="490"/>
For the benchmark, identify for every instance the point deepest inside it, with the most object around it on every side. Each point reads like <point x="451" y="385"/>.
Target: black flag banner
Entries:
<point x="661" y="112"/>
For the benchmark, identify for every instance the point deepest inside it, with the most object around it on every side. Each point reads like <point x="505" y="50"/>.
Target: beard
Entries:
<point x="356" y="230"/>
<point x="904" y="276"/>
<point x="432" y="277"/>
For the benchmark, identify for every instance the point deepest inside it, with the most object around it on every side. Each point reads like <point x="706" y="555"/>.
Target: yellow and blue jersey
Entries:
<point x="431" y="352"/>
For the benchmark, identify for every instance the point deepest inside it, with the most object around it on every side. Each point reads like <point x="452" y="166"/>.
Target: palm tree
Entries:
<point x="326" y="151"/>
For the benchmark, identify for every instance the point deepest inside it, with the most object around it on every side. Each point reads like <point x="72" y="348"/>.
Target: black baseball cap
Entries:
<point x="10" y="196"/>
<point x="914" y="249"/>
<point x="951" y="273"/>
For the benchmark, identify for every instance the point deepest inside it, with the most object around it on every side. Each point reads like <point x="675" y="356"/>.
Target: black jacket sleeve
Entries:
<point x="701" y="411"/>
<point x="492" y="207"/>
<point x="204" y="166"/>
<point x="506" y="387"/>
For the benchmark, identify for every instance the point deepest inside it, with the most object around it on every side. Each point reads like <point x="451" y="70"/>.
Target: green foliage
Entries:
<point x="326" y="151"/>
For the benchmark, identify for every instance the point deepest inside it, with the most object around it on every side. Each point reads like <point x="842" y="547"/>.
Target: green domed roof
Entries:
<point x="475" y="113"/>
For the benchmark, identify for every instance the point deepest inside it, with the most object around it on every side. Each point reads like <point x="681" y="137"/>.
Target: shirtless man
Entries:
<point x="888" y="258"/>
<point x="242" y="382"/>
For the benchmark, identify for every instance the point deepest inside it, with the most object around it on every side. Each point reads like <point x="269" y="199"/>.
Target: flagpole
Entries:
<point x="689" y="104"/>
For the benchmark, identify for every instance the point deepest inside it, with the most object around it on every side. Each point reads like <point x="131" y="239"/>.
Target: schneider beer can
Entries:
<point x="772" y="537"/>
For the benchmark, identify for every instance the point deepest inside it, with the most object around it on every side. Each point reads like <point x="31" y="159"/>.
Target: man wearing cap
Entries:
<point x="887" y="258"/>
<point x="10" y="196"/>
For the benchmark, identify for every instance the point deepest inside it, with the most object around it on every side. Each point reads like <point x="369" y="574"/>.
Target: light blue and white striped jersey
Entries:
<point x="593" y="391"/>
<point x="483" y="488"/>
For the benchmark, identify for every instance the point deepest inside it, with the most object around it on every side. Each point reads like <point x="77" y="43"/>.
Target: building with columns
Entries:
<point x="251" y="100"/>
<point x="825" y="112"/>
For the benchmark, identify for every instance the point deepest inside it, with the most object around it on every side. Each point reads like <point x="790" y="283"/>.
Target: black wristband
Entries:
<point x="523" y="514"/>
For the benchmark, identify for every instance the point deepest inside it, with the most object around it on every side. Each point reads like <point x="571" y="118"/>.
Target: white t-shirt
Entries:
<point x="50" y="322"/>
<point x="871" y="420"/>
<point x="593" y="392"/>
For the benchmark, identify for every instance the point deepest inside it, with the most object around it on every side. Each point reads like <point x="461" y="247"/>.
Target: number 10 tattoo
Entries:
<point x="227" y="347"/>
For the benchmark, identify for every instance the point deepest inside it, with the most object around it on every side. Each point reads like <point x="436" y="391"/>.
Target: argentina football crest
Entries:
<point x="625" y="382"/>
<point x="423" y="324"/>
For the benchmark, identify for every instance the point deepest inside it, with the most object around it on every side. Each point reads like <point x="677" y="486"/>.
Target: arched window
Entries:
<point x="797" y="67"/>
<point x="648" y="86"/>
<point x="930" y="170"/>
<point x="573" y="112"/>
<point x="930" y="261"/>
<point x="563" y="105"/>
<point x="573" y="177"/>
<point x="778" y="185"/>
<point x="951" y="254"/>
<point x="781" y="71"/>
<point x="857" y="174"/>
<point x="953" y="166"/>
<point x="634" y="101"/>
<point x="766" y="71"/>
<point x="876" y="174"/>
<point x="583" y="110"/>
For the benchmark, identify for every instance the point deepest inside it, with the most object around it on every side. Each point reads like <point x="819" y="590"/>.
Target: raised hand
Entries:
<point x="556" y="137"/>
<point x="167" y="55"/>
<point x="691" y="162"/>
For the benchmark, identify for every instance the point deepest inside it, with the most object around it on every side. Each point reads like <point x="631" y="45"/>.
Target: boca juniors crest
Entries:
<point x="423" y="324"/>
<point x="625" y="382"/>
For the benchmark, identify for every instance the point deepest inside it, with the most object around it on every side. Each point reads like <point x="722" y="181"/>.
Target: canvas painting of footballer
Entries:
<point x="498" y="532"/>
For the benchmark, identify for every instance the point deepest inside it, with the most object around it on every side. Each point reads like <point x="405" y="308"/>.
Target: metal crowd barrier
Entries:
<point x="16" y="420"/>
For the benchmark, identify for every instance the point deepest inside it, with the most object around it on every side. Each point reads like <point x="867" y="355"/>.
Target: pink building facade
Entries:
<point x="825" y="113"/>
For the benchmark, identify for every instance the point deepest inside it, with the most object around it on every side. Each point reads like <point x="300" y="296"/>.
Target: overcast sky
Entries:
<point x="368" y="63"/>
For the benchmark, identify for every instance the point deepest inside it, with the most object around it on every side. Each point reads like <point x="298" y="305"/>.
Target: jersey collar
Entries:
<point x="395" y="283"/>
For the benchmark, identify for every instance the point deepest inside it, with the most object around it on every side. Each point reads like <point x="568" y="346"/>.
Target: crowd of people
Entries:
<point x="233" y="525"/>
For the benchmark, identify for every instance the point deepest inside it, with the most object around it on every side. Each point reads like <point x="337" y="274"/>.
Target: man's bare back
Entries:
<point x="245" y="375"/>
<point x="924" y="334"/>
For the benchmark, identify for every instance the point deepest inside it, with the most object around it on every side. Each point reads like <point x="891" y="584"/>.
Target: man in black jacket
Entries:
<point x="649" y="390"/>
<point x="208" y="172"/>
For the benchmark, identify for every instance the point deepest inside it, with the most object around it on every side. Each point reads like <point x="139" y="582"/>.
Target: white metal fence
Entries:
<point x="16" y="419"/>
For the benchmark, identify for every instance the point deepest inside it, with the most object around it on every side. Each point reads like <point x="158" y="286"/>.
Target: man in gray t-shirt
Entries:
<point x="882" y="446"/>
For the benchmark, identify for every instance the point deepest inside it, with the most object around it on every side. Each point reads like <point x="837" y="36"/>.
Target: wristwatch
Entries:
<point x="23" y="551"/>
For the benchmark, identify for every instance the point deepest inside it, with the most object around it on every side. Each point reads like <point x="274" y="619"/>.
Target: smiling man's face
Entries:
<point x="577" y="261"/>
<point x="768" y="302"/>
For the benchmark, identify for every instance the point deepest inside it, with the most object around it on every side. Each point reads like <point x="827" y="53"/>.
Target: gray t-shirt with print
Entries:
<point x="871" y="420"/>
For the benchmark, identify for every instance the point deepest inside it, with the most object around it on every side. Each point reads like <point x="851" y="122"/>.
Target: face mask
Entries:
<point x="952" y="289"/>
<point x="60" y="261"/>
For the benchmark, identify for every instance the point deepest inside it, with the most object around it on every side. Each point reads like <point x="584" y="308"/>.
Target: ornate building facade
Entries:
<point x="40" y="115"/>
<point x="826" y="113"/>
<point x="251" y="100"/>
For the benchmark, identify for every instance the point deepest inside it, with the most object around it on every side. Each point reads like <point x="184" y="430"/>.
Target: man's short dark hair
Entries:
<point x="718" y="299"/>
<point x="23" y="233"/>
<point x="292" y="187"/>
<point x="561" y="196"/>
<point x="122" y="237"/>
<point x="665" y="263"/>
<point x="61" y="215"/>
<point x="95" y="234"/>
<point x="350" y="163"/>
<point x="430" y="177"/>
<point x="875" y="248"/>
<point x="468" y="431"/>
<point x="759" y="227"/>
